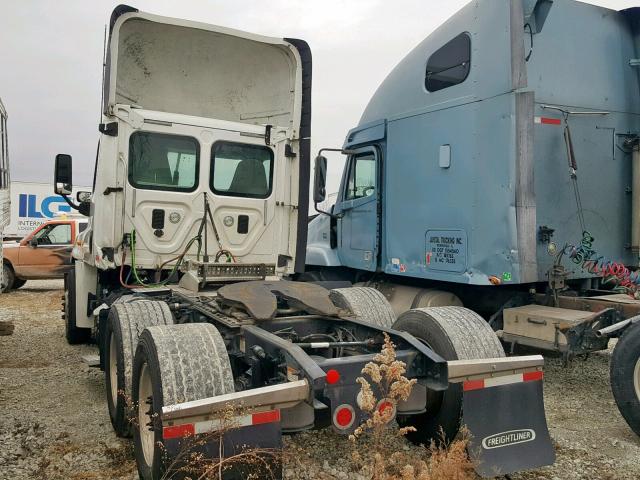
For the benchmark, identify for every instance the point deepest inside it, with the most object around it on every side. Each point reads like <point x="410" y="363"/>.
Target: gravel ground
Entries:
<point x="54" y="422"/>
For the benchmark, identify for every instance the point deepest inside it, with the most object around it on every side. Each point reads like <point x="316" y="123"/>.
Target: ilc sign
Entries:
<point x="33" y="204"/>
<point x="28" y="207"/>
<point x="33" y="211"/>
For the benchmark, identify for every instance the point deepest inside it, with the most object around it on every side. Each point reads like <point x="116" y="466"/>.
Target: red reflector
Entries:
<point x="384" y="406"/>
<point x="265" y="417"/>
<point x="333" y="376"/>
<point x="344" y="417"/>
<point x="473" y="385"/>
<point x="550" y="121"/>
<point x="531" y="376"/>
<point x="178" y="431"/>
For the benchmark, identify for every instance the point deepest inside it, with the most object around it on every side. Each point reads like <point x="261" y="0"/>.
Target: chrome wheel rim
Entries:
<point x="145" y="412"/>
<point x="113" y="371"/>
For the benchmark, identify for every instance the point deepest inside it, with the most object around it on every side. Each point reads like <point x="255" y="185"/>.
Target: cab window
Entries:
<point x="450" y="64"/>
<point x="241" y="170"/>
<point x="163" y="162"/>
<point x="59" y="234"/>
<point x="362" y="177"/>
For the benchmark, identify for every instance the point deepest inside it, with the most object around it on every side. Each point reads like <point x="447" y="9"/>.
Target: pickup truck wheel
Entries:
<point x="75" y="335"/>
<point x="454" y="333"/>
<point x="18" y="282"/>
<point x="625" y="376"/>
<point x="8" y="277"/>
<point x="128" y="317"/>
<point x="196" y="356"/>
<point x="366" y="304"/>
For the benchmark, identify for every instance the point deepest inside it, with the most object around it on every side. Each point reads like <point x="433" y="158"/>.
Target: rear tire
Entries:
<point x="454" y="333"/>
<point x="366" y="304"/>
<point x="128" y="317"/>
<point x="74" y="334"/>
<point x="625" y="376"/>
<point x="8" y="277"/>
<point x="194" y="353"/>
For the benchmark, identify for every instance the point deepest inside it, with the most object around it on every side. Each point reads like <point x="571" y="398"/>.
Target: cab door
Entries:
<point x="357" y="211"/>
<point x="162" y="197"/>
<point x="170" y="172"/>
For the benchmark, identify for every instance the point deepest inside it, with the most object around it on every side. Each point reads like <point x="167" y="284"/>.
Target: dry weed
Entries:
<point x="379" y="461"/>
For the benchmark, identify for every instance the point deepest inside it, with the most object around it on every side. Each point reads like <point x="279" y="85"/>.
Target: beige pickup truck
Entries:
<point x="44" y="253"/>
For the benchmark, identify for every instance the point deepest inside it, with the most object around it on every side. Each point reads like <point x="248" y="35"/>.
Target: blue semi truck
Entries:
<point x="497" y="167"/>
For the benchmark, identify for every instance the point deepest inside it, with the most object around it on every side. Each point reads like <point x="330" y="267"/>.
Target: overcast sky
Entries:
<point x="51" y="56"/>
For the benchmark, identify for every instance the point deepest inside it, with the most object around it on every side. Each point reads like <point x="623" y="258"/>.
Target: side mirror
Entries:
<point x="63" y="183"/>
<point x="320" y="179"/>
<point x="83" y="197"/>
<point x="33" y="242"/>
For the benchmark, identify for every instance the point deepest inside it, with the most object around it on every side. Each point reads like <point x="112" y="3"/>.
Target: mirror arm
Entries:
<point x="70" y="203"/>
<point x="322" y="212"/>
<point x="341" y="150"/>
<point x="83" y="208"/>
<point x="332" y="215"/>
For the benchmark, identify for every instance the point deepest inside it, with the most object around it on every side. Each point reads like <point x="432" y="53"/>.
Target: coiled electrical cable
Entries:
<point x="624" y="280"/>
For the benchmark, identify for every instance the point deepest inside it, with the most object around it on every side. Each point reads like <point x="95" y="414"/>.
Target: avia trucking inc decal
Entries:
<point x="32" y="204"/>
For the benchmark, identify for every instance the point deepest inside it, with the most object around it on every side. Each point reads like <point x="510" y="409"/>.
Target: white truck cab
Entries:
<point x="203" y="156"/>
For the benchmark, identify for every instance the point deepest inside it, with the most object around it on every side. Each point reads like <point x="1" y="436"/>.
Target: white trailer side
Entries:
<point x="5" y="201"/>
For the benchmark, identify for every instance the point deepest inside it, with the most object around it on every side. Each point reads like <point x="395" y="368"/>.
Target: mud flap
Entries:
<point x="261" y="441"/>
<point x="507" y="424"/>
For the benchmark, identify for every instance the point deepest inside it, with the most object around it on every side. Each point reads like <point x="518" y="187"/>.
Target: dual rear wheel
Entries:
<point x="453" y="332"/>
<point x="152" y="363"/>
<point x="128" y="317"/>
<point x="173" y="364"/>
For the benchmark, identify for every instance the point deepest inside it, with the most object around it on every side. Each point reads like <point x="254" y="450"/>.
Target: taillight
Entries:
<point x="333" y="376"/>
<point x="344" y="416"/>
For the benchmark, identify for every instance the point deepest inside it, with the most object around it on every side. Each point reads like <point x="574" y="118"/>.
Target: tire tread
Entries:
<point x="134" y="317"/>
<point x="193" y="361"/>
<point x="470" y="335"/>
<point x="366" y="303"/>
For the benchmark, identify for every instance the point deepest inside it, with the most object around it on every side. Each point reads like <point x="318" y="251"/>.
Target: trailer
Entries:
<point x="496" y="167"/>
<point x="5" y="201"/>
<point x="197" y="224"/>
<point x="32" y="204"/>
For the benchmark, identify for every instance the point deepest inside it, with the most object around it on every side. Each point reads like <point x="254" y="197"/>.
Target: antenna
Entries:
<point x="104" y="65"/>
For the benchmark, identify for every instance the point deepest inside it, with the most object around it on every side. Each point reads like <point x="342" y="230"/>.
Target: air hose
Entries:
<point x="587" y="258"/>
<point x="179" y="258"/>
<point x="134" y="270"/>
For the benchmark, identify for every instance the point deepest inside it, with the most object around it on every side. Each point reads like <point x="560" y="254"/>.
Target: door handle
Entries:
<point x="110" y="190"/>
